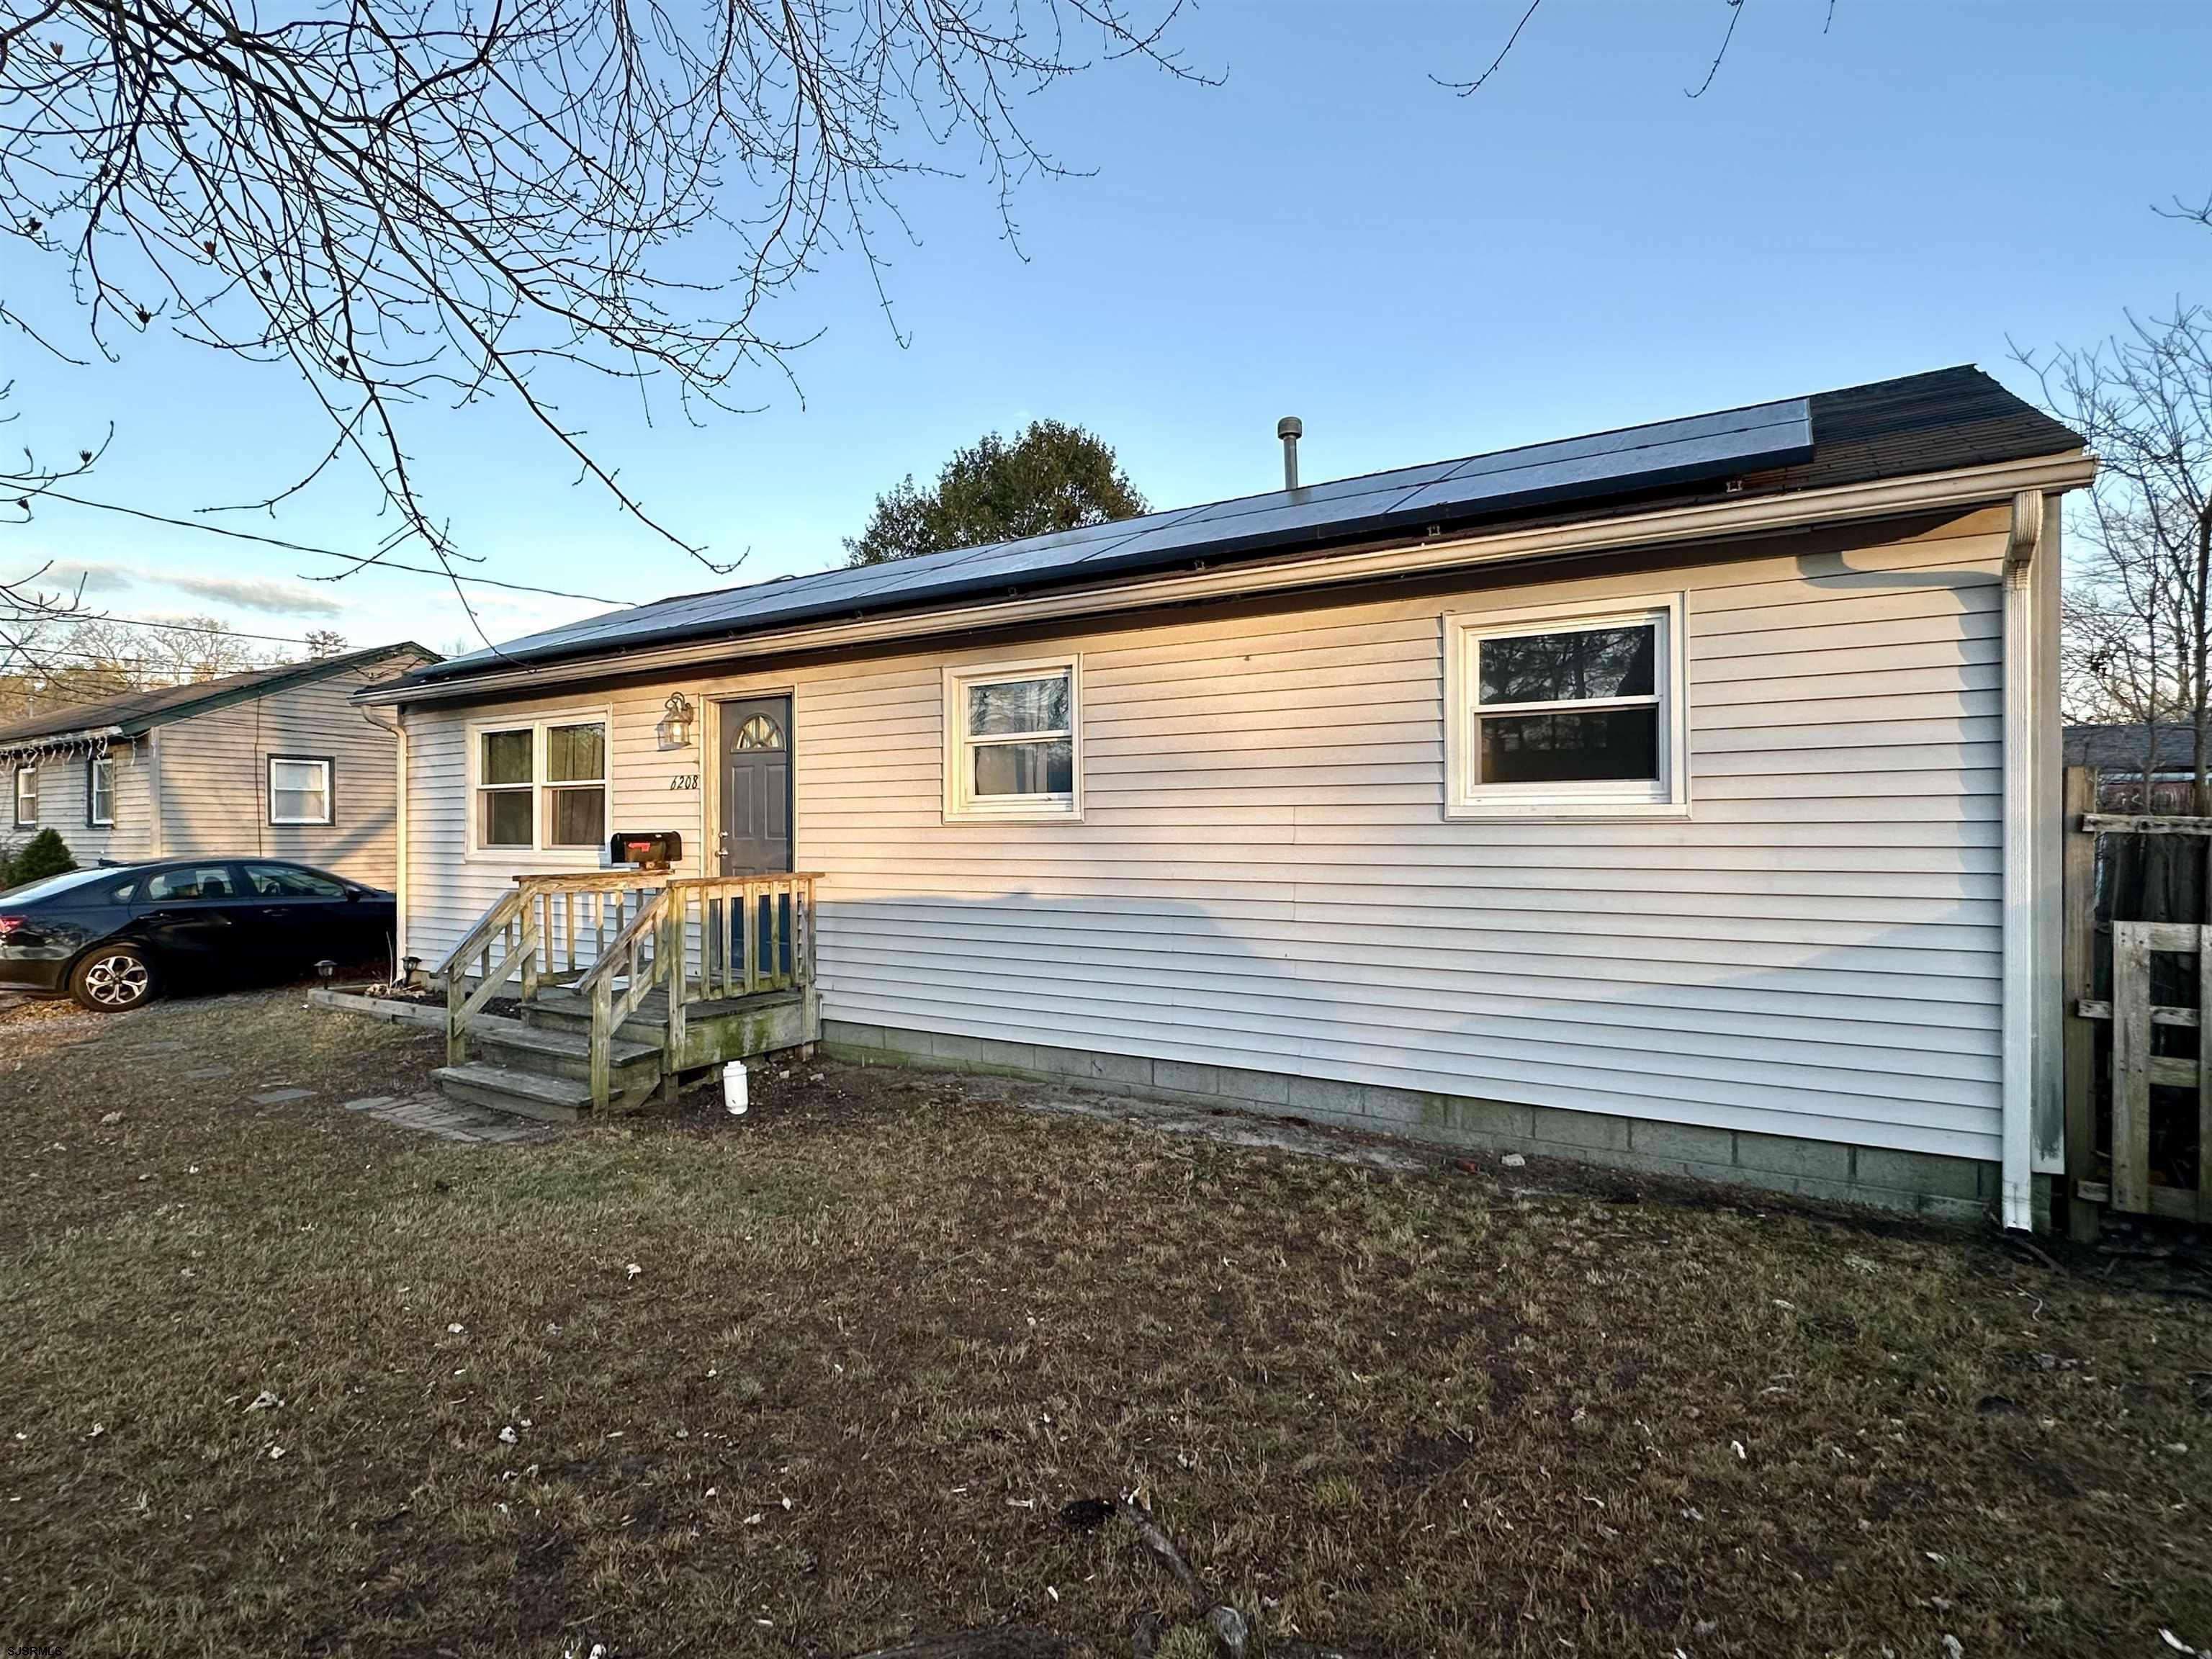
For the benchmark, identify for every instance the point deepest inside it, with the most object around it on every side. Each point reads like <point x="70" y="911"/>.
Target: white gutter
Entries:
<point x="2024" y="668"/>
<point x="1743" y="516"/>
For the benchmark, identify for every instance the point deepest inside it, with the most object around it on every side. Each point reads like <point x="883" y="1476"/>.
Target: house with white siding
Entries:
<point x="272" y="763"/>
<point x="1684" y="797"/>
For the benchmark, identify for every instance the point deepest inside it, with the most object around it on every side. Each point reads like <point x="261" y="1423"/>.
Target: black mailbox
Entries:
<point x="650" y="849"/>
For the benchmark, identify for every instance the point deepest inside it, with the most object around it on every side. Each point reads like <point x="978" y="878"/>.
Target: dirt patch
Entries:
<point x="810" y="1380"/>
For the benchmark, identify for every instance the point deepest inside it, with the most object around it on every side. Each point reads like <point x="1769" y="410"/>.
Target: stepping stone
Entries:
<point x="278" y="1096"/>
<point x="369" y="1102"/>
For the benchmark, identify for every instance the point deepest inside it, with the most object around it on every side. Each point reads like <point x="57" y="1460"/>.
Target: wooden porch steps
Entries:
<point x="510" y="1089"/>
<point x="608" y="1038"/>
<point x="529" y="1046"/>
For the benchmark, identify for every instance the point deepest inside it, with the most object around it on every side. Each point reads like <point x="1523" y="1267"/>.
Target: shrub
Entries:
<point x="45" y="854"/>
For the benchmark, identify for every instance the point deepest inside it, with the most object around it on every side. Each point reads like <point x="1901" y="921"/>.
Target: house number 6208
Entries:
<point x="684" y="781"/>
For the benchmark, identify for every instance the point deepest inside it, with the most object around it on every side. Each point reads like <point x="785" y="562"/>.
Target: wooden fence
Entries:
<point x="2129" y="1150"/>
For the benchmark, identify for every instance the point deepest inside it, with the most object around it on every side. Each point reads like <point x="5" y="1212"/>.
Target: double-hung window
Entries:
<point x="1012" y="749"/>
<point x="299" y="790"/>
<point x="100" y="791"/>
<point x="27" y="797"/>
<point x="540" y="786"/>
<point x="1564" y="713"/>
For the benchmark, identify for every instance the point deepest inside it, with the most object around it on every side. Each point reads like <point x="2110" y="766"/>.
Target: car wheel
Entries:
<point x="111" y="978"/>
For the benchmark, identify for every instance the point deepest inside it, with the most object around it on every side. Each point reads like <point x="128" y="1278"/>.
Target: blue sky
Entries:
<point x="1327" y="233"/>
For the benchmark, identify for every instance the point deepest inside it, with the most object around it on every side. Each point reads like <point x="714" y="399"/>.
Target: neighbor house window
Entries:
<point x="1566" y="713"/>
<point x="300" y="789"/>
<point x="26" y="796"/>
<point x="541" y="786"/>
<point x="100" y="791"/>
<point x="1012" y="749"/>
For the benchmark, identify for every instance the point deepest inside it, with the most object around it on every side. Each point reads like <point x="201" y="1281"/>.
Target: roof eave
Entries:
<point x="1960" y="487"/>
<point x="61" y="739"/>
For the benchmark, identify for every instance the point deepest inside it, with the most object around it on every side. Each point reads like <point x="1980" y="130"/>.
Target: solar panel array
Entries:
<point x="1409" y="499"/>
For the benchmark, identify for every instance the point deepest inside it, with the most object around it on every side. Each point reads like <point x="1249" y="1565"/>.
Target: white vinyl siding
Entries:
<point x="1264" y="875"/>
<point x="64" y="776"/>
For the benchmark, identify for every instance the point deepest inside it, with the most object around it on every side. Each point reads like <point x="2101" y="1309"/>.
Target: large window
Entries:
<point x="27" y="797"/>
<point x="1011" y="745"/>
<point x="1566" y="714"/>
<point x="100" y="791"/>
<point x="540" y="786"/>
<point x="299" y="790"/>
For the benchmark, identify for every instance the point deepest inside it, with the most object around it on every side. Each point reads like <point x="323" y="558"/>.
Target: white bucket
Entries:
<point x="734" y="1088"/>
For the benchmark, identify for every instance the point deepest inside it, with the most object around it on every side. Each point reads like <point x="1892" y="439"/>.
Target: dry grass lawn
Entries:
<point x="811" y="1381"/>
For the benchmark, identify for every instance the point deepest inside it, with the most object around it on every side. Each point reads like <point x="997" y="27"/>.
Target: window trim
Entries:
<point x="961" y="805"/>
<point x="591" y="857"/>
<point x="26" y="769"/>
<point x="93" y="818"/>
<point x="329" y="763"/>
<point x="1597" y="798"/>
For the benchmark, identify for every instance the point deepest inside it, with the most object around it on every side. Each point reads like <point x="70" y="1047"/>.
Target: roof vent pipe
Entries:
<point x="1290" y="429"/>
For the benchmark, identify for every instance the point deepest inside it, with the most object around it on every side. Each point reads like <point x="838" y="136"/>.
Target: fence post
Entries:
<point x="2080" y="900"/>
<point x="2131" y="1067"/>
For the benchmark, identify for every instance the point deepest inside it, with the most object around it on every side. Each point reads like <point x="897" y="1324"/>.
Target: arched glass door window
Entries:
<point x="760" y="733"/>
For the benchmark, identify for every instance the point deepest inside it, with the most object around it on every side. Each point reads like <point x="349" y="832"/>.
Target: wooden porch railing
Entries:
<point x="756" y="933"/>
<point x="615" y="936"/>
<point x="534" y="931"/>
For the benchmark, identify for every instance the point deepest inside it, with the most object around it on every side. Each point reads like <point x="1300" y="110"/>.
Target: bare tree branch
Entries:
<point x="413" y="202"/>
<point x="2139" y="620"/>
<point x="1736" y="16"/>
<point x="1468" y="88"/>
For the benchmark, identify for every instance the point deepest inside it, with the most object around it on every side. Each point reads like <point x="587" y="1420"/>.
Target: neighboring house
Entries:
<point x="1684" y="796"/>
<point x="2119" y="753"/>
<point x="273" y="762"/>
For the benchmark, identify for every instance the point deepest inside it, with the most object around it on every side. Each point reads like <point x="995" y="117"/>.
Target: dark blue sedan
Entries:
<point x="114" y="936"/>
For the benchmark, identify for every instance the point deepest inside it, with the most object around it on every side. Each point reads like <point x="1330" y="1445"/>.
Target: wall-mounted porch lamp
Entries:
<point x="674" y="729"/>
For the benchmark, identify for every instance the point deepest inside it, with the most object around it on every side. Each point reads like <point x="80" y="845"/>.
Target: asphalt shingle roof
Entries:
<point x="133" y="712"/>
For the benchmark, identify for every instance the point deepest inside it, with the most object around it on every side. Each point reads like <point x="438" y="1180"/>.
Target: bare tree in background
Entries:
<point x="63" y="662"/>
<point x="2139" y="617"/>
<point x="409" y="203"/>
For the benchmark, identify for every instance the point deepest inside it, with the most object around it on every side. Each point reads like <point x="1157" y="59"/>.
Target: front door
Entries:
<point x="756" y="800"/>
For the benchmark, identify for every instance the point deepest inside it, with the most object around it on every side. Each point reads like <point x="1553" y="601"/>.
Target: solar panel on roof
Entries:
<point x="1470" y="489"/>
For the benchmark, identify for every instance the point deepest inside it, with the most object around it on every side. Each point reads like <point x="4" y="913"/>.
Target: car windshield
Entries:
<point x="30" y="892"/>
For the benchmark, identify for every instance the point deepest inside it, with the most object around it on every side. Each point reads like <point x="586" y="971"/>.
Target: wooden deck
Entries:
<point x="627" y="983"/>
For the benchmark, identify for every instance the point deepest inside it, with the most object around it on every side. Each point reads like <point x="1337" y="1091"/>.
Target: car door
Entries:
<point x="310" y="916"/>
<point x="199" y="919"/>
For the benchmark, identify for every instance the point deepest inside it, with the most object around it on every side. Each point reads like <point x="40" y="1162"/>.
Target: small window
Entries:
<point x="760" y="733"/>
<point x="100" y="791"/>
<point x="206" y="881"/>
<point x="299" y="789"/>
<point x="1012" y="749"/>
<point x="27" y="797"/>
<point x="575" y="784"/>
<point x="542" y="786"/>
<point x="506" y="788"/>
<point x="1566" y="714"/>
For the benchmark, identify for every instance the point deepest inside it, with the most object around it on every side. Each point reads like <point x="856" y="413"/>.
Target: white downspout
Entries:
<point x="398" y="728"/>
<point x="2022" y="667"/>
<point x="400" y="849"/>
